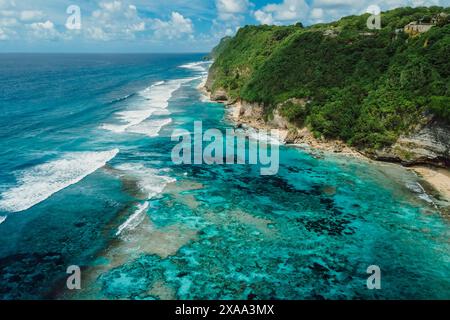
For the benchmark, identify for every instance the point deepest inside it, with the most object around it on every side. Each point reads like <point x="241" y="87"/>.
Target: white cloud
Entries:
<point x="229" y="32"/>
<point x="44" y="30"/>
<point x="232" y="6"/>
<point x="231" y="9"/>
<point x="288" y="11"/>
<point x="317" y="13"/>
<point x="8" y="22"/>
<point x="264" y="17"/>
<point x="336" y="3"/>
<point x="291" y="11"/>
<point x="230" y="17"/>
<point x="128" y="21"/>
<point x="97" y="33"/>
<point x="7" y="13"/>
<point x="102" y="21"/>
<point x="47" y="25"/>
<point x="31" y="15"/>
<point x="3" y="35"/>
<point x="419" y="3"/>
<point x="174" y="28"/>
<point x="5" y="3"/>
<point x="111" y="6"/>
<point x="114" y="20"/>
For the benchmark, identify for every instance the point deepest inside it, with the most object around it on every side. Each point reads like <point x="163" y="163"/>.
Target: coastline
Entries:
<point x="436" y="180"/>
<point x="302" y="138"/>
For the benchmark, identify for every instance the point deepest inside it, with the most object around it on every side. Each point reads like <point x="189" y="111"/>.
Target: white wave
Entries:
<point x="150" y="181"/>
<point x="202" y="84"/>
<point x="420" y="191"/>
<point x="150" y="128"/>
<point x="135" y="219"/>
<point x="158" y="83"/>
<point x="40" y="182"/>
<point x="160" y="92"/>
<point x="121" y="98"/>
<point x="2" y="219"/>
<point x="201" y="66"/>
<point x="204" y="96"/>
<point x="201" y="87"/>
<point x="157" y="95"/>
<point x="130" y="118"/>
<point x="263" y="136"/>
<point x="162" y="113"/>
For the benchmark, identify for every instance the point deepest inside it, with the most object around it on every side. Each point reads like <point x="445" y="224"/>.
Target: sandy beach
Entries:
<point x="438" y="178"/>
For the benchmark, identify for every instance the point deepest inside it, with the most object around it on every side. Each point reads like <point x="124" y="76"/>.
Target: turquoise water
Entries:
<point x="86" y="178"/>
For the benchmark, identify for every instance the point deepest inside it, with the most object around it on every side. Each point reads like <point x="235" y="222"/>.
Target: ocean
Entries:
<point x="87" y="179"/>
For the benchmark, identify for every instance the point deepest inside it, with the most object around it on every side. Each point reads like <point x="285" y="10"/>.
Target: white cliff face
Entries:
<point x="428" y="145"/>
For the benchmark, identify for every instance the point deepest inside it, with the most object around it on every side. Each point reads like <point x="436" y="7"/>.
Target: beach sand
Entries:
<point x="438" y="178"/>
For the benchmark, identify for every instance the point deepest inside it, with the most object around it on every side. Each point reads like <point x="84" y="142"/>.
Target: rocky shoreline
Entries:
<point x="243" y="113"/>
<point x="429" y="166"/>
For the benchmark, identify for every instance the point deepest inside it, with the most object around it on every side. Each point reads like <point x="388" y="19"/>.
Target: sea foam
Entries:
<point x="135" y="219"/>
<point x="151" y="181"/>
<point x="155" y="102"/>
<point x="200" y="66"/>
<point x="263" y="136"/>
<point x="420" y="191"/>
<point x="150" y="128"/>
<point x="38" y="183"/>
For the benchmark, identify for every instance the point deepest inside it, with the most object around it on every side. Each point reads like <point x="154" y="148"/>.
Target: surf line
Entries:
<point x="263" y="149"/>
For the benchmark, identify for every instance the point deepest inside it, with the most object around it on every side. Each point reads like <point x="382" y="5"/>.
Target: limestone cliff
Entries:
<point x="429" y="143"/>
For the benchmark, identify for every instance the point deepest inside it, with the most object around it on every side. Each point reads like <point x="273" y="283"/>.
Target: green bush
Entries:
<point x="295" y="113"/>
<point x="441" y="107"/>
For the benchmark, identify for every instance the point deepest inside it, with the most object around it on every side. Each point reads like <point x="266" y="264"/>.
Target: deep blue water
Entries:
<point x="86" y="179"/>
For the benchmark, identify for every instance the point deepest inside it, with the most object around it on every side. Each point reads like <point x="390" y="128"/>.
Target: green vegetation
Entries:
<point x="295" y="112"/>
<point x="363" y="86"/>
<point x="217" y="51"/>
<point x="440" y="106"/>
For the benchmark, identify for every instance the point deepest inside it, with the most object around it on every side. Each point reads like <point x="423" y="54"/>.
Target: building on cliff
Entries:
<point x="415" y="28"/>
<point x="423" y="25"/>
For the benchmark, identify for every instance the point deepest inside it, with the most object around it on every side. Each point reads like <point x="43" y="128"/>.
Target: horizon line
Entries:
<point x="98" y="52"/>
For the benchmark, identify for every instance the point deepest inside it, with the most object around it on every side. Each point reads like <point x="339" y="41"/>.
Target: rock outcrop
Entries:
<point x="430" y="144"/>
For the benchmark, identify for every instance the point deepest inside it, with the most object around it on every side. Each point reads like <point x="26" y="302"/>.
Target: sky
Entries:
<point x="158" y="25"/>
